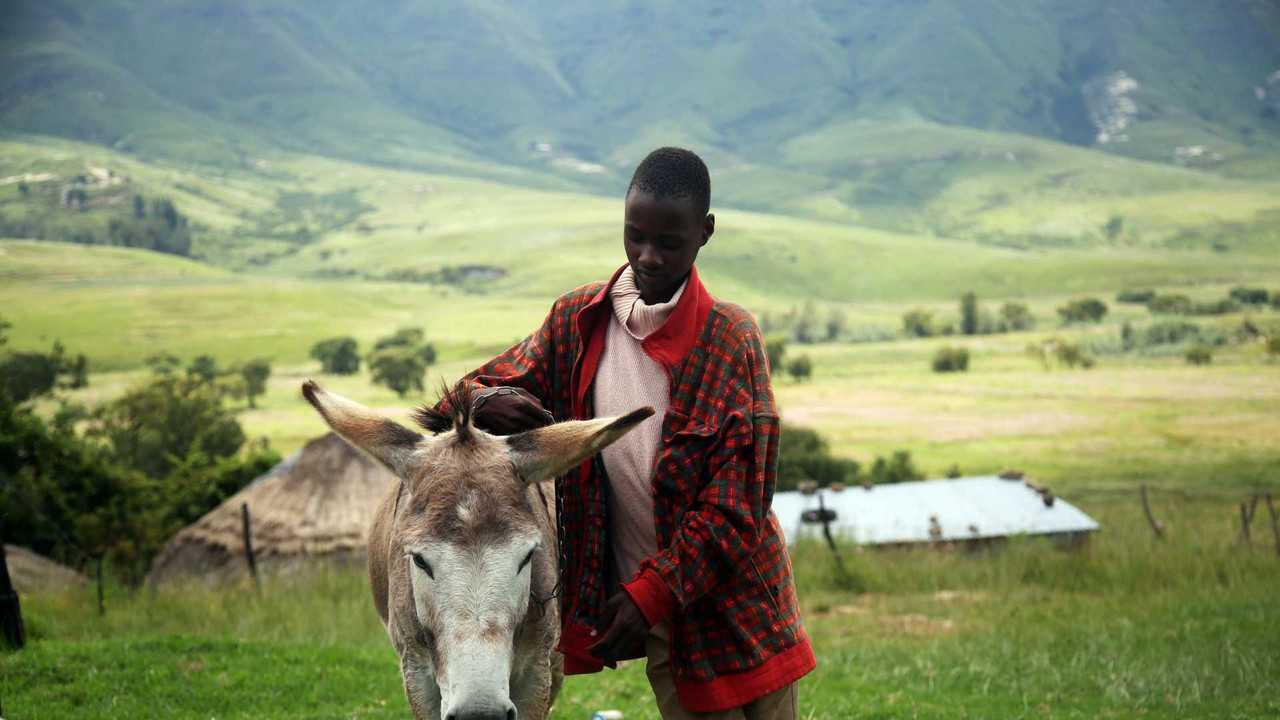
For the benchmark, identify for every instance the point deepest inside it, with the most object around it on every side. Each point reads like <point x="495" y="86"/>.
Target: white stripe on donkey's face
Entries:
<point x="456" y="552"/>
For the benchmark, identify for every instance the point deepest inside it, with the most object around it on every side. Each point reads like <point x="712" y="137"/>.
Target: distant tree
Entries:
<point x="1084" y="310"/>
<point x="203" y="369"/>
<point x="338" y="355"/>
<point x="969" y="314"/>
<point x="28" y="375"/>
<point x="954" y="472"/>
<point x="404" y="337"/>
<point x="775" y="347"/>
<point x="1127" y="339"/>
<point x="1113" y="227"/>
<point x="139" y="207"/>
<point x="800" y="368"/>
<point x="1199" y="354"/>
<point x="4" y="331"/>
<point x="162" y="363"/>
<point x="24" y="189"/>
<point x="1250" y="295"/>
<point x="399" y="368"/>
<point x="1135" y="297"/>
<point x="806" y="325"/>
<point x="836" y="323"/>
<point x="1217" y="307"/>
<point x="898" y="468"/>
<point x="154" y="425"/>
<point x="917" y="323"/>
<point x="1071" y="355"/>
<point x="949" y="359"/>
<point x="1170" y="304"/>
<point x="804" y="456"/>
<point x="1016" y="316"/>
<point x="255" y="374"/>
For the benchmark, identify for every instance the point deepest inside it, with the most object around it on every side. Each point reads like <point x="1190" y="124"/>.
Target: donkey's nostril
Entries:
<point x="511" y="714"/>
<point x="451" y="716"/>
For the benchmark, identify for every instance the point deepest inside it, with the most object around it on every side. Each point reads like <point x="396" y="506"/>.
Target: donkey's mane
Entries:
<point x="451" y="412"/>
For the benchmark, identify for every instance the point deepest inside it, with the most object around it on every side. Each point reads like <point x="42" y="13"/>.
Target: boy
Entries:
<point x="668" y="546"/>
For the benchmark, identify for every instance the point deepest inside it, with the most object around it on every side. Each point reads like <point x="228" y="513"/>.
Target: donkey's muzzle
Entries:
<point x="483" y="713"/>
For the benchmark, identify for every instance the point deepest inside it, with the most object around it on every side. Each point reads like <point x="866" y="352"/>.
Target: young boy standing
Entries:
<point x="669" y="549"/>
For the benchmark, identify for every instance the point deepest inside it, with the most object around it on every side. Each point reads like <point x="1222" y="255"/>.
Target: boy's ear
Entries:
<point x="553" y="450"/>
<point x="387" y="442"/>
<point x="708" y="227"/>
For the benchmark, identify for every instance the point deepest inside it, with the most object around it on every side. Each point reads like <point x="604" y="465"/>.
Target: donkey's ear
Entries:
<point x="555" y="449"/>
<point x="388" y="442"/>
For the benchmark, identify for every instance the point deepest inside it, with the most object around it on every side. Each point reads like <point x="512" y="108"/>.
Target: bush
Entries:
<point x="255" y="374"/>
<point x="898" y="468"/>
<point x="1135" y="297"/>
<point x="337" y="355"/>
<point x="27" y="375"/>
<point x="800" y="368"/>
<point x="1273" y="346"/>
<point x="1249" y="296"/>
<point x="1015" y="316"/>
<point x="1171" y="304"/>
<point x="1199" y="354"/>
<point x="1060" y="352"/>
<point x="949" y="359"/>
<point x="1170" y="332"/>
<point x="775" y="348"/>
<point x="917" y="323"/>
<point x="836" y="324"/>
<point x="803" y="456"/>
<point x="399" y="368"/>
<point x="969" y="314"/>
<point x="1220" y="307"/>
<point x="1084" y="310"/>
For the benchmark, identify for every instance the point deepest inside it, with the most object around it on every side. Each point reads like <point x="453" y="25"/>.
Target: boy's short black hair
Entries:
<point x="672" y="172"/>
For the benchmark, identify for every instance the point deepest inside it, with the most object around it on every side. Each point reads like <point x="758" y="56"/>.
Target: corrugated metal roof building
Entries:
<point x="957" y="510"/>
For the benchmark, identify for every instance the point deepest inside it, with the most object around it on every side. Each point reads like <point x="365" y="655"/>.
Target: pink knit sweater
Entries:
<point x="626" y="379"/>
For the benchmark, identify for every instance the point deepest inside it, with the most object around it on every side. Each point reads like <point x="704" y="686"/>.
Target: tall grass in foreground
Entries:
<point x="1125" y="625"/>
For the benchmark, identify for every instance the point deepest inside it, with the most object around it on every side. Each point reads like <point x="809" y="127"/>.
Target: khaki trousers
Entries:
<point x="781" y="704"/>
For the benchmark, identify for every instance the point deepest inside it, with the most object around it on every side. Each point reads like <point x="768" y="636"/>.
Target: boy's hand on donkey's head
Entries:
<point x="507" y="411"/>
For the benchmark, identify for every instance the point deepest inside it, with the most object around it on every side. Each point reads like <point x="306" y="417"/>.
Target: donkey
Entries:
<point x="463" y="558"/>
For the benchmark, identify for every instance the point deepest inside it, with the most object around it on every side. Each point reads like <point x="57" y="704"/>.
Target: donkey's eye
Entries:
<point x="423" y="565"/>
<point x="523" y="563"/>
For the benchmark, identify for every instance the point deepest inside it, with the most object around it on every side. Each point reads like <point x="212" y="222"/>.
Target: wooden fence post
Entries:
<point x="248" y="544"/>
<point x="15" y="634"/>
<point x="1156" y="527"/>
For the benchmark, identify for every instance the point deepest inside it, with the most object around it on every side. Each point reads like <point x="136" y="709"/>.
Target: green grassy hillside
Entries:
<point x="580" y="91"/>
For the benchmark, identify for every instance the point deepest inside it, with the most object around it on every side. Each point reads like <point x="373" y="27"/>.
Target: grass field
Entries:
<point x="1127" y="627"/>
<point x="298" y="250"/>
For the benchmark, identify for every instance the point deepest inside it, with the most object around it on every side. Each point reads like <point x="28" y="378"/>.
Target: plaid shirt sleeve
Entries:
<point x="718" y="535"/>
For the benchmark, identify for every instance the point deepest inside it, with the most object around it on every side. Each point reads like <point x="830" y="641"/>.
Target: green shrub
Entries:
<point x="1273" y="346"/>
<point x="1015" y="316"/>
<point x="1250" y="295"/>
<point x="1171" y="304"/>
<point x="800" y="368"/>
<point x="1199" y="354"/>
<point x="775" y="348"/>
<point x="1220" y="307"/>
<point x="917" y="322"/>
<point x="1170" y="332"/>
<point x="1083" y="310"/>
<point x="949" y="359"/>
<point x="337" y="355"/>
<point x="1135" y="297"/>
<point x="898" y="468"/>
<point x="804" y="456"/>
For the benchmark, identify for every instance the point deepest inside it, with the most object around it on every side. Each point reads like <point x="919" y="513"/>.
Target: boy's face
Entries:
<point x="662" y="238"/>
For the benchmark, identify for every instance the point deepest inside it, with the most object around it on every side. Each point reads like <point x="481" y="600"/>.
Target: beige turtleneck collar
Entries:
<point x="636" y="316"/>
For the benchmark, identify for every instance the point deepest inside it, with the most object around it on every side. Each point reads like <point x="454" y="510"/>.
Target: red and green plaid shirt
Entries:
<point x="722" y="577"/>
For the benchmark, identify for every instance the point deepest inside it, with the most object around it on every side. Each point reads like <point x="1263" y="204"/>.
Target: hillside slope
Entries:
<point x="580" y="90"/>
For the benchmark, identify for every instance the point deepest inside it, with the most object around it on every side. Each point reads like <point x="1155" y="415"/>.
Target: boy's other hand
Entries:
<point x="625" y="632"/>
<point x="507" y="411"/>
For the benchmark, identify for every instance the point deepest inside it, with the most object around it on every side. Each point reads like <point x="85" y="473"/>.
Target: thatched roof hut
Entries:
<point x="317" y="504"/>
<point x="33" y="573"/>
